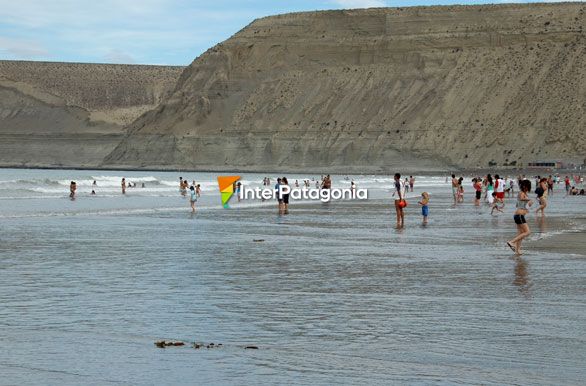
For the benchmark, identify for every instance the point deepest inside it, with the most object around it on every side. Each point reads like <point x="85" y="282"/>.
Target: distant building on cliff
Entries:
<point x="552" y="164"/>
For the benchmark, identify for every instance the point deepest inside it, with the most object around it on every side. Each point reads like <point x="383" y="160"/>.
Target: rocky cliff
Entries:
<point x="377" y="90"/>
<point x="73" y="114"/>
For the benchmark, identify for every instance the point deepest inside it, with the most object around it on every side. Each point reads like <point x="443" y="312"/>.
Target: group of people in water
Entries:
<point x="193" y="189"/>
<point x="492" y="188"/>
<point x="124" y="185"/>
<point x="495" y="188"/>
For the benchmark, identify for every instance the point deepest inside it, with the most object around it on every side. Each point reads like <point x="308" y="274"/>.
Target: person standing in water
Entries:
<point x="72" y="189"/>
<point x="327" y="184"/>
<point x="278" y="191"/>
<point x="285" y="196"/>
<point x="424" y="206"/>
<point x="489" y="189"/>
<point x="478" y="189"/>
<point x="523" y="202"/>
<point x="400" y="202"/>
<point x="123" y="185"/>
<point x="550" y="183"/>
<point x="499" y="189"/>
<point x="238" y="187"/>
<point x="460" y="189"/>
<point x="455" y="189"/>
<point x="198" y="190"/>
<point x="541" y="192"/>
<point x="192" y="198"/>
<point x="411" y="183"/>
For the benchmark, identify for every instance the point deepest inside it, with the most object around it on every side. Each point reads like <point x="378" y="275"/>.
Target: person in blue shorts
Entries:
<point x="424" y="206"/>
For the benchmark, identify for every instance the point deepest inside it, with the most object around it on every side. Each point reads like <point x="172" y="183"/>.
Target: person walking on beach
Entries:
<point x="523" y="202"/>
<point x="123" y="185"/>
<point x="541" y="192"/>
<point x="499" y="188"/>
<point x="72" y="189"/>
<point x="400" y="202"/>
<point x="495" y="204"/>
<point x="424" y="206"/>
<point x="192" y="198"/>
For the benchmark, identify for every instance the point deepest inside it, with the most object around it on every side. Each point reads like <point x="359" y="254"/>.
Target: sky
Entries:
<point x="171" y="32"/>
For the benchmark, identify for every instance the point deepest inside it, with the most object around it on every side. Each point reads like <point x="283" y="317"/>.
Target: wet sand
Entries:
<point x="335" y="294"/>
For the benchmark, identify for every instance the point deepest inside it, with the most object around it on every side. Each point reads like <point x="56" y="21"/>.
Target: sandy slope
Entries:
<point x="72" y="114"/>
<point x="365" y="89"/>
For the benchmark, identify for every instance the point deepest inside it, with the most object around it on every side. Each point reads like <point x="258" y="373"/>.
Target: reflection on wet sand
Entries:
<point x="541" y="224"/>
<point x="521" y="276"/>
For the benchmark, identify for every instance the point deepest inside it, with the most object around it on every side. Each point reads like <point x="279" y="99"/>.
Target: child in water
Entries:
<point x="424" y="206"/>
<point x="495" y="204"/>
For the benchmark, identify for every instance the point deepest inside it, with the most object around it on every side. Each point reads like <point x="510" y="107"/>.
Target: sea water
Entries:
<point x="334" y="293"/>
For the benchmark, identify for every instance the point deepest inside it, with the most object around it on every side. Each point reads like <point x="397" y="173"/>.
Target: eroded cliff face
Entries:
<point x="377" y="90"/>
<point x="73" y="114"/>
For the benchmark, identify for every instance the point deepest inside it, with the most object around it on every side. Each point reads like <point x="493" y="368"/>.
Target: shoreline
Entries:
<point x="325" y="170"/>
<point x="571" y="241"/>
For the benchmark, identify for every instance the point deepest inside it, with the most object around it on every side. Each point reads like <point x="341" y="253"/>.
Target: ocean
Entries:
<point x="330" y="293"/>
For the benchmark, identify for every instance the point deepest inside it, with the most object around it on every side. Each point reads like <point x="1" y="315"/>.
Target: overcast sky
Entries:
<point x="142" y="31"/>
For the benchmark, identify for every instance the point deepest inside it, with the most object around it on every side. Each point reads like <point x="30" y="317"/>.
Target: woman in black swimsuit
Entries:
<point x="523" y="231"/>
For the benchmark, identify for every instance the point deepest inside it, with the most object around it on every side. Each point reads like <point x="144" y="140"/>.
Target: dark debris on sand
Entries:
<point x="197" y="345"/>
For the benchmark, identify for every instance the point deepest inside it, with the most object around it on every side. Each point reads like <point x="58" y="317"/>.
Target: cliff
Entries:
<point x="73" y="114"/>
<point x="377" y="90"/>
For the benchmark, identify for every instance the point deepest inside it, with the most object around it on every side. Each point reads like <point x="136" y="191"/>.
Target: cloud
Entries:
<point x="21" y="48"/>
<point x="361" y="3"/>
<point x="146" y="31"/>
